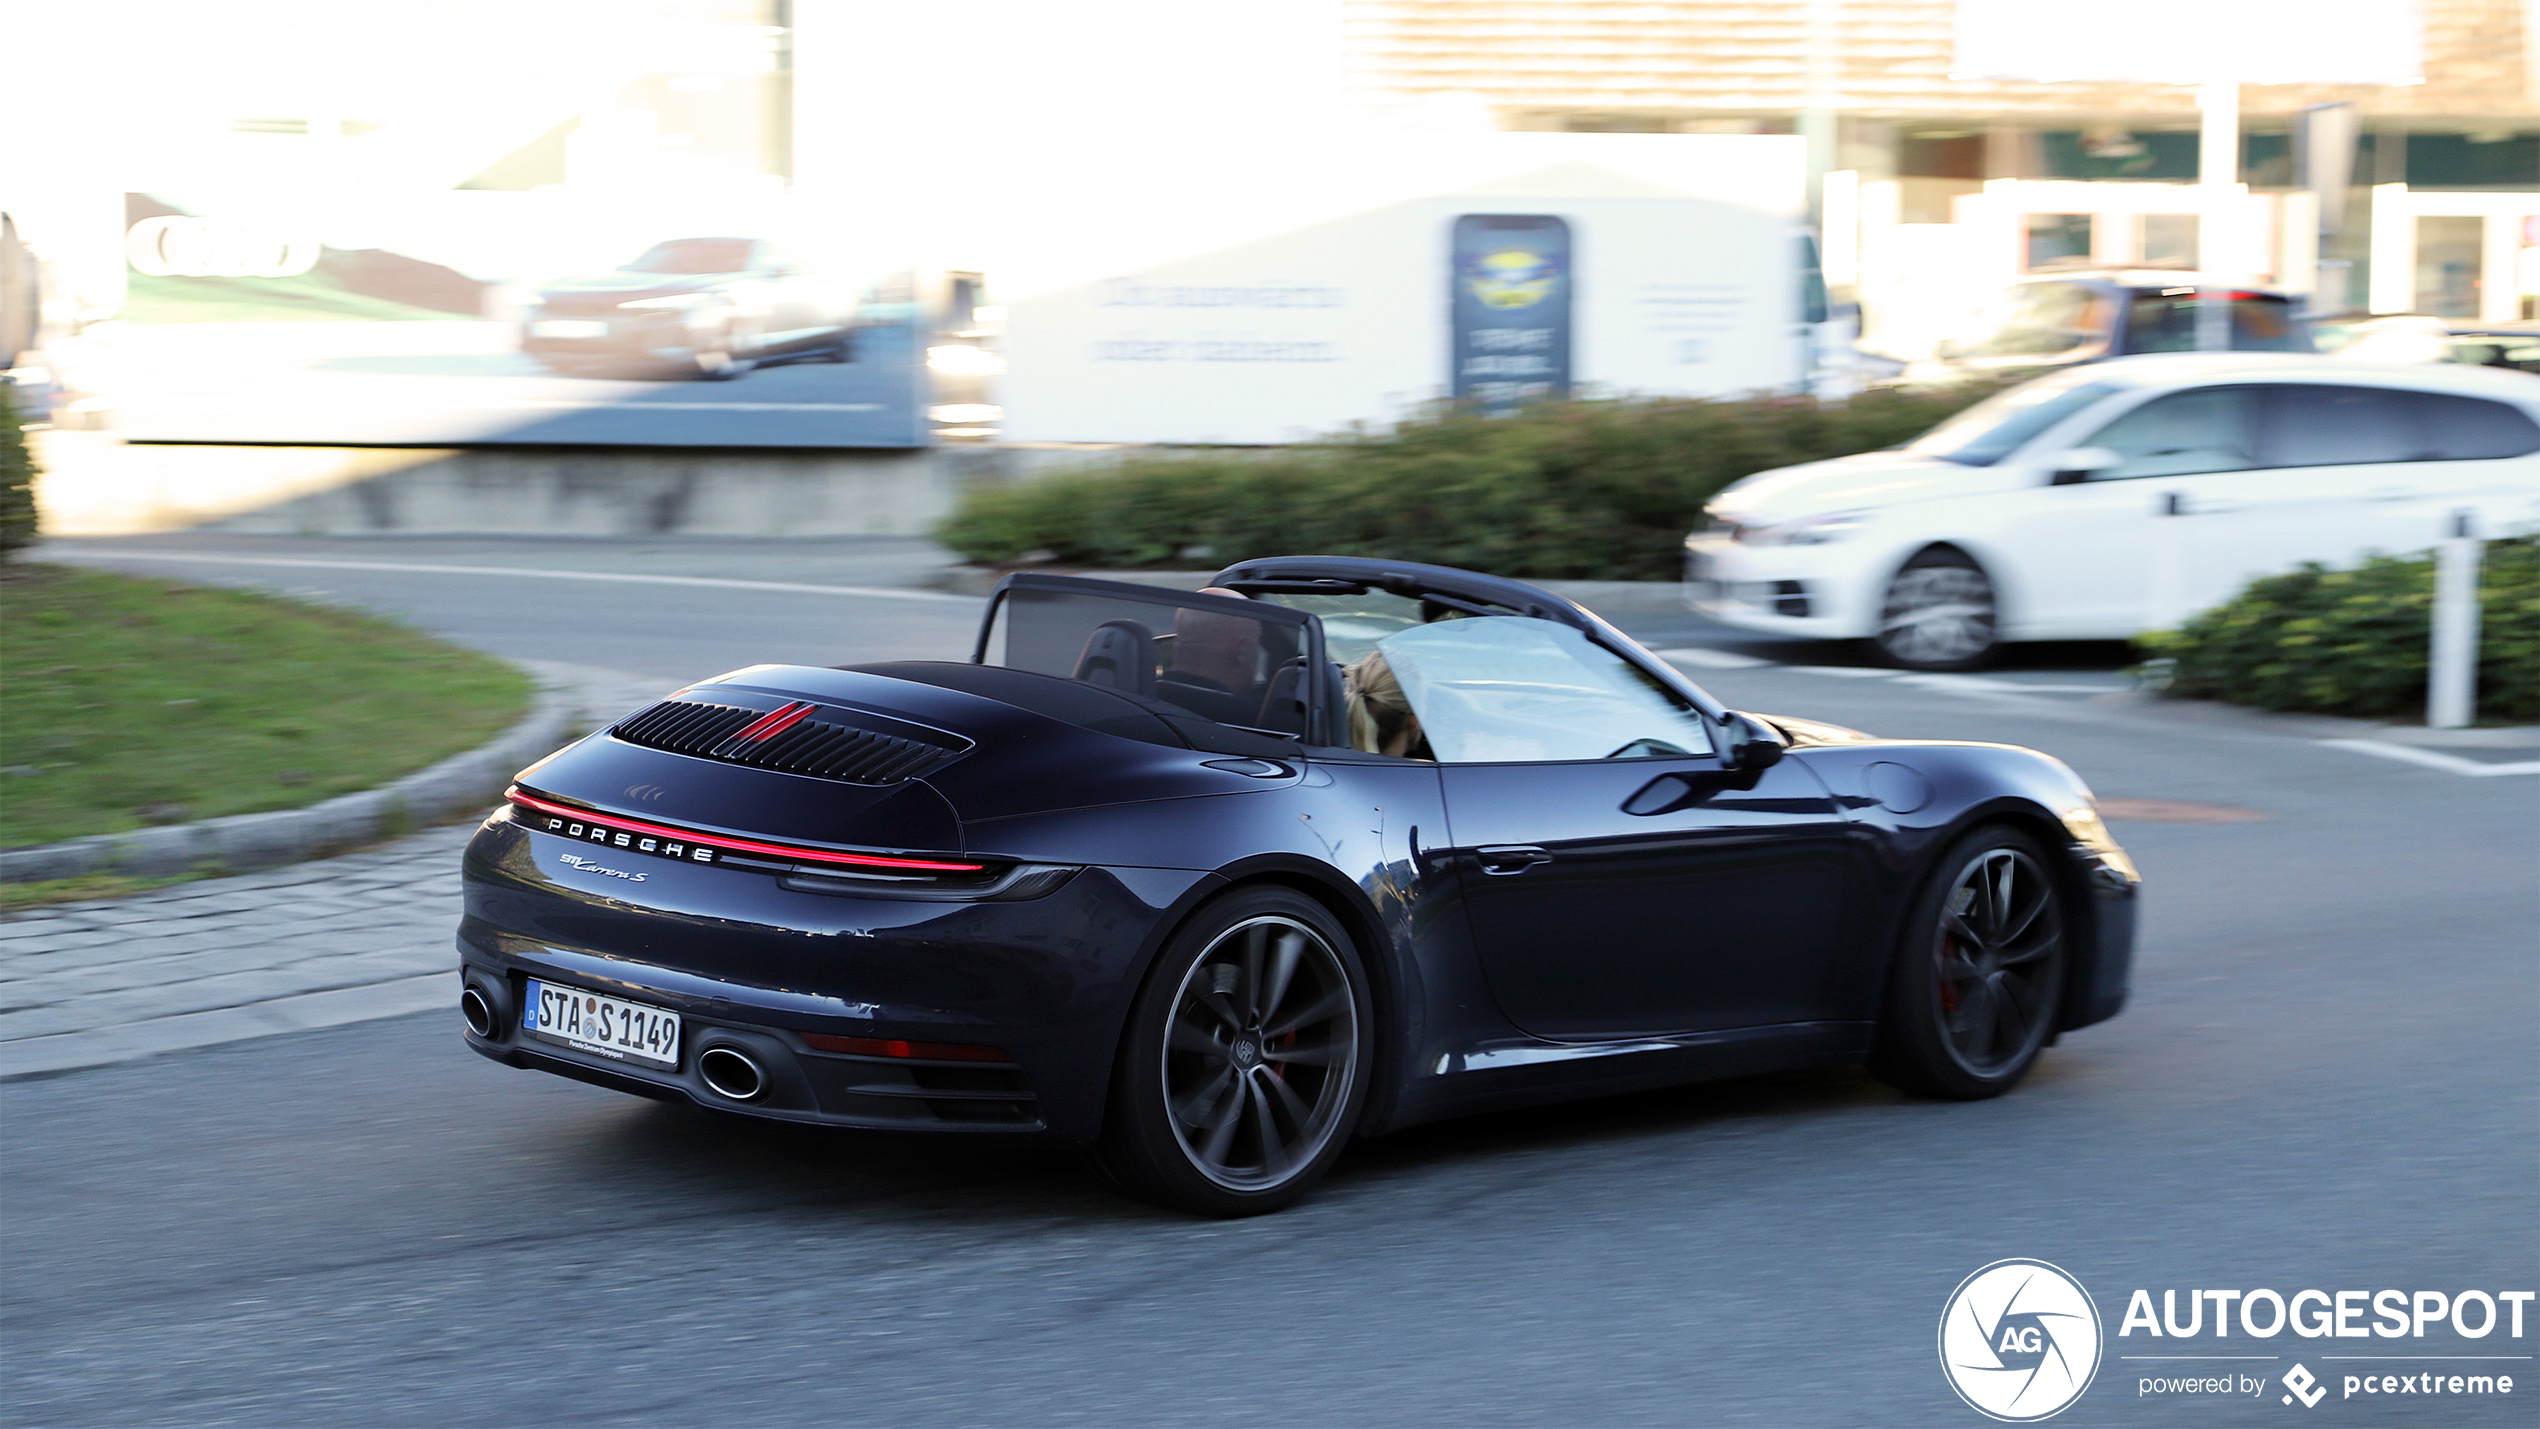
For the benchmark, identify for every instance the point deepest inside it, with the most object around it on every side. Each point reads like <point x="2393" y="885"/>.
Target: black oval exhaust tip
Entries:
<point x="477" y="1010"/>
<point x="728" y="1073"/>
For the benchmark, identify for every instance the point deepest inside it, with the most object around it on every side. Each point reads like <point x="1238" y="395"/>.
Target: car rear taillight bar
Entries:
<point x="893" y="1047"/>
<point x="743" y="846"/>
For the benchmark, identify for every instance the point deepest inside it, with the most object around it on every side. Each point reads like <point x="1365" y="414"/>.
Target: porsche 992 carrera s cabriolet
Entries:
<point x="1211" y="882"/>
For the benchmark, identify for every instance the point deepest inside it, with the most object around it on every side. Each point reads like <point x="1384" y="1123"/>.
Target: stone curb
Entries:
<point x="300" y="1012"/>
<point x="242" y="843"/>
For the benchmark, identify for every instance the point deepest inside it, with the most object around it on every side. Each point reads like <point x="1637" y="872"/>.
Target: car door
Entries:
<point x="2348" y="469"/>
<point x="2100" y="553"/>
<point x="1619" y="879"/>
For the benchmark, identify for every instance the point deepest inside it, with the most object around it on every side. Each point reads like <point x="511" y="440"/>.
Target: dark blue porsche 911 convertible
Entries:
<point x="1211" y="882"/>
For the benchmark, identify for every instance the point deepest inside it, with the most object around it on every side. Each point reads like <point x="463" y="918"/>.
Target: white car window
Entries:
<point x="2185" y="433"/>
<point x="2472" y="429"/>
<point x="2044" y="320"/>
<point x="2341" y="426"/>
<point x="1514" y="689"/>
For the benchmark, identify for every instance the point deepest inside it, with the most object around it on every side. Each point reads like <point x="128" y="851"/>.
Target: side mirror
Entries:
<point x="1752" y="744"/>
<point x="2073" y="467"/>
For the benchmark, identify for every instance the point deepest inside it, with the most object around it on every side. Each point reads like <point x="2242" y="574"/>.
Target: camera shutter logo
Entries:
<point x="2019" y="1340"/>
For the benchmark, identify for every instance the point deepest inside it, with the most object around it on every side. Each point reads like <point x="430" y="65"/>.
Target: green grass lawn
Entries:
<point x="126" y="701"/>
<point x="310" y="297"/>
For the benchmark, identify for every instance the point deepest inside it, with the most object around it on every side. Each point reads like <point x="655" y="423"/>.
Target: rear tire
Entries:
<point x="1939" y="613"/>
<point x="1244" y="1067"/>
<point x="1979" y="974"/>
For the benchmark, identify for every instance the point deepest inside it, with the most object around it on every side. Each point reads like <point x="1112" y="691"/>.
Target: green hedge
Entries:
<point x="2354" y="642"/>
<point x="17" y="478"/>
<point x="1601" y="489"/>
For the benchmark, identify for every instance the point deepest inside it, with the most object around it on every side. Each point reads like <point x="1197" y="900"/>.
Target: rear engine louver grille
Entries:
<point x="801" y="744"/>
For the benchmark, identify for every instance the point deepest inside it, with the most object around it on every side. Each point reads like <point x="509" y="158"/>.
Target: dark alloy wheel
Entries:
<point x="1244" y="1066"/>
<point x="1977" y="982"/>
<point x="1939" y="614"/>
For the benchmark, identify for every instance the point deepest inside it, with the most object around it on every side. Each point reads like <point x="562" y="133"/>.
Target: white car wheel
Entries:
<point x="1939" y="614"/>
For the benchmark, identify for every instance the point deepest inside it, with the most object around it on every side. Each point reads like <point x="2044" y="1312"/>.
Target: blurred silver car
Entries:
<point x="716" y="307"/>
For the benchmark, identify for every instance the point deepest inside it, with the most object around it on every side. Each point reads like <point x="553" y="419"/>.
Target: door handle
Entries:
<point x="1510" y="858"/>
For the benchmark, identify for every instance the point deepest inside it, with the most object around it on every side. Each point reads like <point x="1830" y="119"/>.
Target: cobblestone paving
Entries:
<point x="311" y="945"/>
<point x="315" y="944"/>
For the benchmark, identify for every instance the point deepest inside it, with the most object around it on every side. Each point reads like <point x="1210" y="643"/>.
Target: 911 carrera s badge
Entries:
<point x="575" y="860"/>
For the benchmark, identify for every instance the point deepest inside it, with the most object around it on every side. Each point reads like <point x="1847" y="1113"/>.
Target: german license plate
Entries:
<point x="568" y="327"/>
<point x="611" y="1027"/>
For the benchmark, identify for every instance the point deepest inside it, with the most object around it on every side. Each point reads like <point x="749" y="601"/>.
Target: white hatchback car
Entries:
<point x="2123" y="496"/>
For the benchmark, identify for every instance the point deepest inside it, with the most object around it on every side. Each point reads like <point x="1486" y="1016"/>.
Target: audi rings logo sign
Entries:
<point x="206" y="248"/>
<point x="2019" y="1340"/>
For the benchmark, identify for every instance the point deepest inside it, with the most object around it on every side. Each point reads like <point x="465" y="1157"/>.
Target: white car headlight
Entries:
<point x="1805" y="531"/>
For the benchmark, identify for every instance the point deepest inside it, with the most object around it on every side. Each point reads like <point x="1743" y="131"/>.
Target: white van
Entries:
<point x="2123" y="496"/>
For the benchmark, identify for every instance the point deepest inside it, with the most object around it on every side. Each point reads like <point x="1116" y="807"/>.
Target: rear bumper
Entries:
<point x="760" y="970"/>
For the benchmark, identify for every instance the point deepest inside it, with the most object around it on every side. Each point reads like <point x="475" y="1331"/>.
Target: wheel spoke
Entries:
<point x="1325" y="1055"/>
<point x="1274" y="1147"/>
<point x="2022" y="995"/>
<point x="1299" y="1114"/>
<point x="1190" y="1111"/>
<point x="1284" y="955"/>
<point x="2021" y="921"/>
<point x="1975" y="1020"/>
<point x="1322" y="1009"/>
<point x="1250" y="1002"/>
<point x="2037" y="948"/>
<point x="1221" y="1133"/>
<point x="2011" y="1016"/>
<point x="1186" y="1038"/>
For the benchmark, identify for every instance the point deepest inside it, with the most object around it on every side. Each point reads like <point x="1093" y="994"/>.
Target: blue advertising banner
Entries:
<point x="1511" y="275"/>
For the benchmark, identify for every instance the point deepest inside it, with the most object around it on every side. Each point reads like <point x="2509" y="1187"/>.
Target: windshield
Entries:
<point x="2001" y="424"/>
<point x="1199" y="657"/>
<point x="2167" y="321"/>
<point x="1500" y="689"/>
<point x="694" y="255"/>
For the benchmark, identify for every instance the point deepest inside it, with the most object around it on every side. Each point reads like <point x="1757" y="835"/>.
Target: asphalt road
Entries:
<point x="2329" y="1077"/>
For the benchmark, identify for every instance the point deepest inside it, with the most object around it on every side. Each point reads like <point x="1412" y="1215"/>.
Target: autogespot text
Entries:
<point x="2443" y="1357"/>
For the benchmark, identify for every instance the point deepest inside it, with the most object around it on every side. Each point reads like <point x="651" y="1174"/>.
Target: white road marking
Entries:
<point x="2435" y="759"/>
<point x="1946" y="684"/>
<point x="1979" y="684"/>
<point x="617" y="577"/>
<point x="1711" y="659"/>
